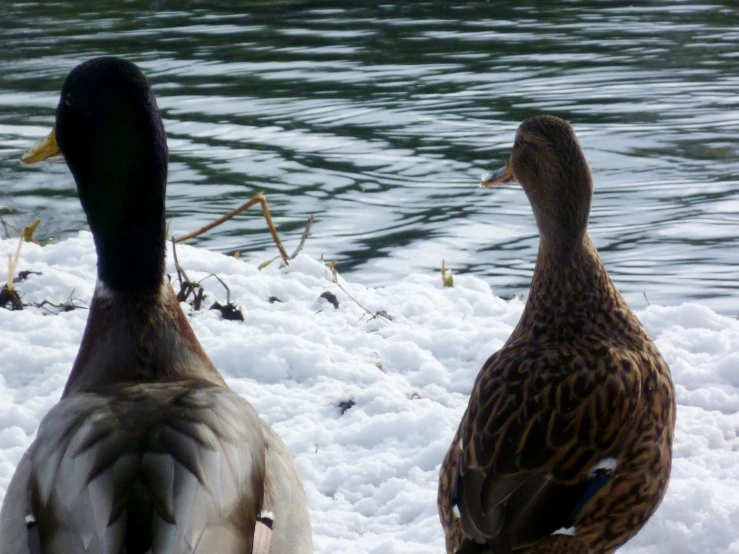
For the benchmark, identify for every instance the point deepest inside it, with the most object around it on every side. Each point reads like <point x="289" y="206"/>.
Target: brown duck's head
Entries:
<point x="549" y="164"/>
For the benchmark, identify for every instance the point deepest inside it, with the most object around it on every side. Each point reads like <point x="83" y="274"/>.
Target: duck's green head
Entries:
<point x="109" y="130"/>
<point x="548" y="162"/>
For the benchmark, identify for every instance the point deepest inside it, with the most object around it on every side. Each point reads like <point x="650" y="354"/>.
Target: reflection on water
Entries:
<point x="380" y="120"/>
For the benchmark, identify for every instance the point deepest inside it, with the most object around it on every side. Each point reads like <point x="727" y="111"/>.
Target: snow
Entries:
<point x="371" y="472"/>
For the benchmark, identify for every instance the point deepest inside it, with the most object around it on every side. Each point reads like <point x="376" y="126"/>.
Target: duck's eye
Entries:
<point x="518" y="142"/>
<point x="68" y="100"/>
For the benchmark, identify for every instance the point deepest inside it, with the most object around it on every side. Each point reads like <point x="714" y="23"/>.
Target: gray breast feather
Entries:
<point x="187" y="457"/>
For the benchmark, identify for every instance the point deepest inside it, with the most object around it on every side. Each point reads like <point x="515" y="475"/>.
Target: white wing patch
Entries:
<point x="609" y="464"/>
<point x="267" y="514"/>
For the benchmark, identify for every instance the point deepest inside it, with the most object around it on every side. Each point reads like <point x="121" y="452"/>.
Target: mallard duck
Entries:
<point x="148" y="449"/>
<point x="566" y="444"/>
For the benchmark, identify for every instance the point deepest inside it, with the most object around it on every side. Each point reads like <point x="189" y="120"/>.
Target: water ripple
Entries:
<point x="380" y="120"/>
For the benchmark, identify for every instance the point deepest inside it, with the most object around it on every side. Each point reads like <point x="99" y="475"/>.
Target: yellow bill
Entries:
<point x="47" y="149"/>
<point x="500" y="177"/>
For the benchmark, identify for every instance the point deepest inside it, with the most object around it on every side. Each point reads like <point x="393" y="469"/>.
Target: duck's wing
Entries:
<point x="286" y="527"/>
<point x="17" y="525"/>
<point x="177" y="467"/>
<point x="539" y="438"/>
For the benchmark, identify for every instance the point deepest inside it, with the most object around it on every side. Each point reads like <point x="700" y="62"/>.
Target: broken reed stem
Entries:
<point x="304" y="236"/>
<point x="13" y="263"/>
<point x="257" y="199"/>
<point x="221" y="281"/>
<point x="180" y="272"/>
<point x="8" y="294"/>
<point x="11" y="272"/>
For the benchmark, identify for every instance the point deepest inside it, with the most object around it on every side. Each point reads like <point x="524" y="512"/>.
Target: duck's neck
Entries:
<point x="128" y="262"/>
<point x="130" y="244"/>
<point x="571" y="294"/>
<point x="125" y="207"/>
<point x="138" y="337"/>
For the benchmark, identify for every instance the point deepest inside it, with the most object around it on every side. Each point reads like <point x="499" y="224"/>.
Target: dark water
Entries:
<point x="380" y="118"/>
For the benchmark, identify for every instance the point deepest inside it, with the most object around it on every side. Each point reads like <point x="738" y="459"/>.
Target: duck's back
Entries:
<point x="570" y="437"/>
<point x="171" y="467"/>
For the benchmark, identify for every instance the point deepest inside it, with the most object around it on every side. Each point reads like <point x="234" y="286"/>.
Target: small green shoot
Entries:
<point x="447" y="278"/>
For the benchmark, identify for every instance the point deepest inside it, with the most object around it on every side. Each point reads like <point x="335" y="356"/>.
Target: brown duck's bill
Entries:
<point x="500" y="177"/>
<point x="47" y="149"/>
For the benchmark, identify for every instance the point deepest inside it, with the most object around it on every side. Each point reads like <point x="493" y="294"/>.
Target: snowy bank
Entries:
<point x="370" y="469"/>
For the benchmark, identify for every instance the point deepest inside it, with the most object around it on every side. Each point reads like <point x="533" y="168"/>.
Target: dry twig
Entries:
<point x="67" y="306"/>
<point x="377" y="315"/>
<point x="257" y="199"/>
<point x="187" y="287"/>
<point x="304" y="236"/>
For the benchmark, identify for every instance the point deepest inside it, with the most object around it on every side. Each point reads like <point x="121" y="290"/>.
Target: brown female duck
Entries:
<point x="566" y="443"/>
<point x="148" y="450"/>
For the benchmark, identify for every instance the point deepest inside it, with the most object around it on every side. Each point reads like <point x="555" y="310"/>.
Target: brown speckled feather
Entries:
<point x="566" y="442"/>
